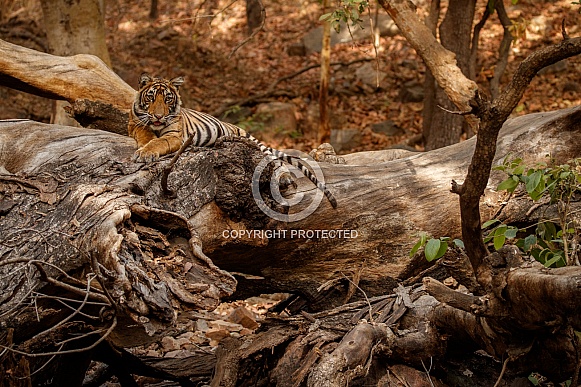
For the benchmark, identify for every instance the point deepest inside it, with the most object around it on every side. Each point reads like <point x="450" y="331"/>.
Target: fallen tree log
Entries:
<point x="383" y="205"/>
<point x="74" y="204"/>
<point x="62" y="78"/>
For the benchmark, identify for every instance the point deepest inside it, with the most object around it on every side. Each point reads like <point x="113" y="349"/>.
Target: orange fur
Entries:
<point x="155" y="119"/>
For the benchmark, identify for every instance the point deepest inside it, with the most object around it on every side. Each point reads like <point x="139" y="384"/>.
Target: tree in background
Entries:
<point x="74" y="28"/>
<point x="441" y="128"/>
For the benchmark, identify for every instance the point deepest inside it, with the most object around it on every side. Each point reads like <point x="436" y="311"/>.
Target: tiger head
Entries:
<point x="158" y="102"/>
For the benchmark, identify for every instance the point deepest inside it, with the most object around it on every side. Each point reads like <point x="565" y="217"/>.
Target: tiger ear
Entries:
<point x="177" y="82"/>
<point x="144" y="79"/>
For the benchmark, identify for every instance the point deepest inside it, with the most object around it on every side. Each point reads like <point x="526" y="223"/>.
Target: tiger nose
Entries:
<point x="158" y="116"/>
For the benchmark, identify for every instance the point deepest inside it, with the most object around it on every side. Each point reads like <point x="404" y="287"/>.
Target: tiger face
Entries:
<point x="158" y="102"/>
<point x="155" y="118"/>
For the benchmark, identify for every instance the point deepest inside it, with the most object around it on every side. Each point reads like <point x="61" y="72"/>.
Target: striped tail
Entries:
<point x="295" y="161"/>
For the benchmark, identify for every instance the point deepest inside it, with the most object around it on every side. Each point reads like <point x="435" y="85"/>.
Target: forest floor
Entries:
<point x="197" y="39"/>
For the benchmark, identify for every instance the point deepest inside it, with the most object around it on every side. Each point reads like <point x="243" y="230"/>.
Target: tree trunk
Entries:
<point x="74" y="28"/>
<point x="254" y="15"/>
<point x="324" y="132"/>
<point x="440" y="127"/>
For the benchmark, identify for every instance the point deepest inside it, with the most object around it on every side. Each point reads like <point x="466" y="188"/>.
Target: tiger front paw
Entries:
<point x="143" y="155"/>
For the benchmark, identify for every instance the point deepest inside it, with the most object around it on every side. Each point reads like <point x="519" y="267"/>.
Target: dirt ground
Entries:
<point x="196" y="39"/>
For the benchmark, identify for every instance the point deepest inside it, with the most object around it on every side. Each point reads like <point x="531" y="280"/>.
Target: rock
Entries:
<point x="279" y="117"/>
<point x="186" y="336"/>
<point x="368" y="75"/>
<point x="345" y="139"/>
<point x="244" y="317"/>
<point x="389" y="128"/>
<point x="178" y="354"/>
<point x="221" y="324"/>
<point x="313" y="39"/>
<point x="153" y="353"/>
<point x="201" y="325"/>
<point x="245" y="332"/>
<point x="217" y="334"/>
<point x="411" y="91"/>
<point x="183" y="341"/>
<point x="297" y="49"/>
<point x="168" y="344"/>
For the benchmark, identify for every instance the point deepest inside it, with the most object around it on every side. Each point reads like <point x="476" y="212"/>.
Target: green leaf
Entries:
<point x="499" y="237"/>
<point x="420" y="243"/>
<point x="442" y="250"/>
<point x="533" y="181"/>
<point x="511" y="232"/>
<point x="499" y="241"/>
<point x="431" y="250"/>
<point x="538" y="191"/>
<point x="459" y="243"/>
<point x="509" y="184"/>
<point x="529" y="241"/>
<point x="435" y="248"/>
<point x="545" y="255"/>
<point x="556" y="258"/>
<point x="415" y="249"/>
<point x="550" y="230"/>
<point x="519" y="170"/>
<point x="533" y="379"/>
<point x="326" y="16"/>
<point x="490" y="222"/>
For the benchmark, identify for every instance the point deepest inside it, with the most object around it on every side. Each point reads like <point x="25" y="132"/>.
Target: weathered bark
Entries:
<point x="64" y="78"/>
<point x="386" y="204"/>
<point x="363" y="342"/>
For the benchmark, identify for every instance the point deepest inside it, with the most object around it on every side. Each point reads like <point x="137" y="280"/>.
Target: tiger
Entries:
<point x="160" y="126"/>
